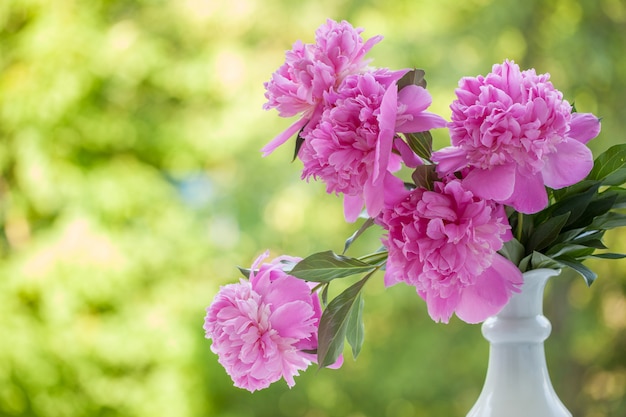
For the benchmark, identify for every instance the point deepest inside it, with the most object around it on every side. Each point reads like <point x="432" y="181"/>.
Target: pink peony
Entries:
<point x="262" y="328"/>
<point x="445" y="242"/>
<point x="351" y="147"/>
<point x="517" y="135"/>
<point x="311" y="70"/>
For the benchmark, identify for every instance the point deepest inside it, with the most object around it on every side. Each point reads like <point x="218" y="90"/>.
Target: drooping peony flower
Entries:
<point x="311" y="70"/>
<point x="517" y="135"/>
<point x="445" y="242"/>
<point x="262" y="328"/>
<point x="351" y="147"/>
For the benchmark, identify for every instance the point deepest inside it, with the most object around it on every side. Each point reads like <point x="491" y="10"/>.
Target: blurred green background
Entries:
<point x="131" y="184"/>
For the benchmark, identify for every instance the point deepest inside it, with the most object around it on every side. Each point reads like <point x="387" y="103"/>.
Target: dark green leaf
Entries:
<point x="355" y="333"/>
<point x="546" y="232"/>
<point x="421" y="143"/>
<point x="612" y="160"/>
<point x="334" y="324"/>
<point x="620" y="196"/>
<point x="326" y="266"/>
<point x="413" y="77"/>
<point x="618" y="177"/>
<point x="366" y="225"/>
<point x="577" y="266"/>
<point x="575" y="204"/>
<point x="608" y="221"/>
<point x="572" y="190"/>
<point x="424" y="176"/>
<point x="609" y="255"/>
<point x="600" y="204"/>
<point x="299" y="142"/>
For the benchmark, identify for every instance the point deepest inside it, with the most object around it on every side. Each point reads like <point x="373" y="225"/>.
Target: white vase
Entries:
<point x="517" y="382"/>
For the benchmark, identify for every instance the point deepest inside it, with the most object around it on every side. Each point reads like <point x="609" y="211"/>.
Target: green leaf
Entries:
<point x="513" y="251"/>
<point x="299" y="142"/>
<point x="618" y="177"/>
<point x="600" y="205"/>
<point x="245" y="271"/>
<point x="575" y="204"/>
<point x="620" y="196"/>
<point x="571" y="250"/>
<point x="424" y="176"/>
<point x="546" y="232"/>
<point x="374" y="259"/>
<point x="575" y="189"/>
<point x="421" y="143"/>
<point x="577" y="266"/>
<point x="609" y="255"/>
<point x="334" y="324"/>
<point x="366" y="225"/>
<point x="539" y="260"/>
<point x="326" y="266"/>
<point x="612" y="160"/>
<point x="355" y="333"/>
<point x="608" y="221"/>
<point x="413" y="77"/>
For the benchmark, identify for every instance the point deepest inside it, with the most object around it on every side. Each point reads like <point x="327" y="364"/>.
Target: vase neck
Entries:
<point x="528" y="302"/>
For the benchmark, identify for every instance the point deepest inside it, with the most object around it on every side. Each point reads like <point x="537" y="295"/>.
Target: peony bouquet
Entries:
<point x="516" y="190"/>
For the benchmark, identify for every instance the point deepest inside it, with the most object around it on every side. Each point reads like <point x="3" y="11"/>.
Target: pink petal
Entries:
<point x="449" y="160"/>
<point x="394" y="189"/>
<point x="496" y="183"/>
<point x="584" y="127"/>
<point x="571" y="162"/>
<point x="284" y="137"/>
<point x="440" y="309"/>
<point x="529" y="195"/>
<point x="422" y="122"/>
<point x="352" y="207"/>
<point x="415" y="98"/>
<point x="387" y="123"/>
<point x="491" y="292"/>
<point x="293" y="320"/>
<point x="409" y="157"/>
<point x="374" y="194"/>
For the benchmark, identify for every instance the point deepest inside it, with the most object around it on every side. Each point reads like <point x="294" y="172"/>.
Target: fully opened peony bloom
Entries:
<point x="351" y="147"/>
<point x="261" y="328"/>
<point x="311" y="70"/>
<point x="517" y="135"/>
<point x="444" y="242"/>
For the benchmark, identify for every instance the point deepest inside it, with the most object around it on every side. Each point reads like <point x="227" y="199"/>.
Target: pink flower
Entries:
<point x="262" y="328"/>
<point x="445" y="242"/>
<point x="351" y="147"/>
<point x="517" y="135"/>
<point x="311" y="70"/>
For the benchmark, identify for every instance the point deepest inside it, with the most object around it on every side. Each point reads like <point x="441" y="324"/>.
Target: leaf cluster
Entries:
<point x="571" y="228"/>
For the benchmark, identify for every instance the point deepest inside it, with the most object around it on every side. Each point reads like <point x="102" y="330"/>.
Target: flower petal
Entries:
<point x="284" y="136"/>
<point x="491" y="291"/>
<point x="352" y="207"/>
<point x="571" y="163"/>
<point x="529" y="195"/>
<point x="387" y="123"/>
<point x="496" y="183"/>
<point x="584" y="127"/>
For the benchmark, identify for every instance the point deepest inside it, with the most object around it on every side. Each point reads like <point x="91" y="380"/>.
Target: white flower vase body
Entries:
<point x="517" y="382"/>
